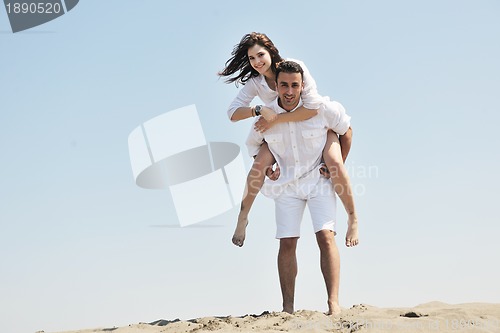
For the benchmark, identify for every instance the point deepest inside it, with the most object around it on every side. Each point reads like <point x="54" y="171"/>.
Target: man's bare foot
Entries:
<point x="351" y="237"/>
<point x="288" y="309"/>
<point x="239" y="233"/>
<point x="333" y="309"/>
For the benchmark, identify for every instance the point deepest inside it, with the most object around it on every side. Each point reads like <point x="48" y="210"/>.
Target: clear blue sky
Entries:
<point x="82" y="246"/>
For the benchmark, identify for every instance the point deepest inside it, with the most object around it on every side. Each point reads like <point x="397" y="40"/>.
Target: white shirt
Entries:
<point x="257" y="86"/>
<point x="298" y="146"/>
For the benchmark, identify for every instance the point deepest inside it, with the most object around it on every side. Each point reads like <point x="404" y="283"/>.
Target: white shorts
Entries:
<point x="290" y="205"/>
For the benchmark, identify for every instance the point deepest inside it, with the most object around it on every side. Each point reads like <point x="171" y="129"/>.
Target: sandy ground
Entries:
<point x="429" y="317"/>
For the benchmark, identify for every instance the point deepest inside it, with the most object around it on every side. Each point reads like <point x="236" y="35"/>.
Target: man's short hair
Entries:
<point x="289" y="67"/>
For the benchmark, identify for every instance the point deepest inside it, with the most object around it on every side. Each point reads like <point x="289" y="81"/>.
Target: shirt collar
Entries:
<point x="279" y="109"/>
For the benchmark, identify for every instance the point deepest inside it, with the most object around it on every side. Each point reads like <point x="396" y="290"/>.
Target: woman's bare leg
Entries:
<point x="340" y="180"/>
<point x="255" y="180"/>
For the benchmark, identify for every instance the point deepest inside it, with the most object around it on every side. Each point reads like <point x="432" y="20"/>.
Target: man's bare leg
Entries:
<point x="255" y="180"/>
<point x="330" y="267"/>
<point x="287" y="269"/>
<point x="340" y="180"/>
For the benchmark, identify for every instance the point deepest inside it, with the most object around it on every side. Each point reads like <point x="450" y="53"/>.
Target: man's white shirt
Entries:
<point x="298" y="146"/>
<point x="257" y="86"/>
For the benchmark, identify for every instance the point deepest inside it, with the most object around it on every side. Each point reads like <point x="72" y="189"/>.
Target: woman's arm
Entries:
<point x="300" y="114"/>
<point x="241" y="113"/>
<point x="247" y="112"/>
<point x="240" y="106"/>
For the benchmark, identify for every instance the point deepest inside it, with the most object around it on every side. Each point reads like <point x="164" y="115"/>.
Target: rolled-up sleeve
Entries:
<point x="254" y="141"/>
<point x="336" y="117"/>
<point x="246" y="94"/>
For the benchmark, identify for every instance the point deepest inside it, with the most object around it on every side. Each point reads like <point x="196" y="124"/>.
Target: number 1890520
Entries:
<point x="33" y="8"/>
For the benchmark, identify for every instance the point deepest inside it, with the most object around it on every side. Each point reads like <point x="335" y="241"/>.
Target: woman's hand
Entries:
<point x="268" y="114"/>
<point x="262" y="125"/>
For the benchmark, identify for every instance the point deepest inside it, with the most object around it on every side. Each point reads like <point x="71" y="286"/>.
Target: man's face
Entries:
<point x="289" y="89"/>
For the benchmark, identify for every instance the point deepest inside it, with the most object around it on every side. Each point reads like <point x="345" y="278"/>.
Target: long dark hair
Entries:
<point x="239" y="64"/>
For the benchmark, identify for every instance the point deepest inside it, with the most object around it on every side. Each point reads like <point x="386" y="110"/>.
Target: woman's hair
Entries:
<point x="239" y="64"/>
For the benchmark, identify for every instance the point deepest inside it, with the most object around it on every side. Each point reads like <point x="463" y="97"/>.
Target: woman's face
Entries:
<point x="260" y="59"/>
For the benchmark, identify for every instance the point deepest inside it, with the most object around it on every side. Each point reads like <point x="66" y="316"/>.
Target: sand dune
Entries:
<point x="429" y="317"/>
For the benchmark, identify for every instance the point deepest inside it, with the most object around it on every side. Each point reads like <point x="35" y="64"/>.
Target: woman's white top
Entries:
<point x="257" y="86"/>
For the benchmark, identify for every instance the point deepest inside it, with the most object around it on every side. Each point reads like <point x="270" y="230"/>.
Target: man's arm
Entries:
<point x="345" y="143"/>
<point x="338" y="121"/>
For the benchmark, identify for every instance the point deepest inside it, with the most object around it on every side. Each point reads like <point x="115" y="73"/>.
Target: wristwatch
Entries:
<point x="258" y="108"/>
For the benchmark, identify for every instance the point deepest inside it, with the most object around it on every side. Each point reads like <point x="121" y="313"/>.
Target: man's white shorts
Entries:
<point x="291" y="203"/>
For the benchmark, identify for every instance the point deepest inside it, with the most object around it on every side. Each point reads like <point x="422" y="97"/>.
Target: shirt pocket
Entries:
<point x="275" y="143"/>
<point x="314" y="140"/>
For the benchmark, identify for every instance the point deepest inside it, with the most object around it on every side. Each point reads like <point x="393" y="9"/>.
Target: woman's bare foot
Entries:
<point x="351" y="237"/>
<point x="239" y="233"/>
